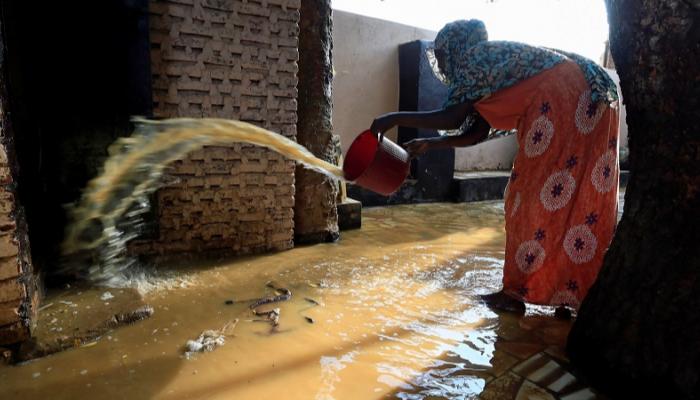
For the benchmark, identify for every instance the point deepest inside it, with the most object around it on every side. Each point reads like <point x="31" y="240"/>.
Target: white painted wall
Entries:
<point x="493" y="154"/>
<point x="366" y="64"/>
<point x="624" y="149"/>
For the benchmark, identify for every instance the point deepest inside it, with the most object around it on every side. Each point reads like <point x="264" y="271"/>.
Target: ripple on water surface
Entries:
<point x="393" y="307"/>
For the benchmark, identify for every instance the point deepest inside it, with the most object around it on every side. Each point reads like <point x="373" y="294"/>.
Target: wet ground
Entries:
<point x="397" y="317"/>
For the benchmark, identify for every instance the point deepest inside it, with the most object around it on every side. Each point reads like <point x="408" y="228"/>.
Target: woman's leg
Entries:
<point x="502" y="301"/>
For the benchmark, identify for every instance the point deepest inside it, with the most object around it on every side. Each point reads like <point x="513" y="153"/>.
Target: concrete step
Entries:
<point x="408" y="193"/>
<point x="490" y="185"/>
<point x="466" y="187"/>
<point x="349" y="214"/>
<point x="480" y="185"/>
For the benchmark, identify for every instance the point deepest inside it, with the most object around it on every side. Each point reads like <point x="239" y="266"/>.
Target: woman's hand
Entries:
<point x="382" y="124"/>
<point x="417" y="147"/>
<point x="447" y="118"/>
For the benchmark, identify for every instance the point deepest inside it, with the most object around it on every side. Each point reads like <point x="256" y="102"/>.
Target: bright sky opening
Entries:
<point x="580" y="26"/>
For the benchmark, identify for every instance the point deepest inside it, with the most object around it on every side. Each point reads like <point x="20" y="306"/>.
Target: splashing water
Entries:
<point x="109" y="212"/>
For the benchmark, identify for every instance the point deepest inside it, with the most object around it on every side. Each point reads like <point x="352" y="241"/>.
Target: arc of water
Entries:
<point x="136" y="164"/>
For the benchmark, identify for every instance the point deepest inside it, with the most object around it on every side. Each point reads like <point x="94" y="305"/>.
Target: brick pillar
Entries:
<point x="226" y="59"/>
<point x="18" y="285"/>
<point x="315" y="212"/>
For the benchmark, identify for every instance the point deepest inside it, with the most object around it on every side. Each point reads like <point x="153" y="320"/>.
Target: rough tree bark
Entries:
<point x="315" y="211"/>
<point x="638" y="330"/>
<point x="19" y="282"/>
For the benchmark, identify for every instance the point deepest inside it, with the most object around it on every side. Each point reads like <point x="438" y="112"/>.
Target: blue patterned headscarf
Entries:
<point x="455" y="39"/>
<point x="476" y="67"/>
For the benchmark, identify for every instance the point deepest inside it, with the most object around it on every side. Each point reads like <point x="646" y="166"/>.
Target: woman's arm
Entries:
<point x="447" y="118"/>
<point x="478" y="131"/>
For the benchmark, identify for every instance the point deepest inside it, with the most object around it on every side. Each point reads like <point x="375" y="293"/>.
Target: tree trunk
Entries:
<point x="638" y="330"/>
<point x="19" y="283"/>
<point x="315" y="212"/>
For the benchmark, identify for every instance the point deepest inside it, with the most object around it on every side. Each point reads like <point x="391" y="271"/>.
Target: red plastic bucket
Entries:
<point x="380" y="167"/>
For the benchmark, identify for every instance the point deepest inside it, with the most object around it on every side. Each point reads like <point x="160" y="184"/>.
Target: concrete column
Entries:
<point x="315" y="211"/>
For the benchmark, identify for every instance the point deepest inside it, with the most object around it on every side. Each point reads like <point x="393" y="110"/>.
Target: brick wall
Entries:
<point x="18" y="285"/>
<point x="227" y="59"/>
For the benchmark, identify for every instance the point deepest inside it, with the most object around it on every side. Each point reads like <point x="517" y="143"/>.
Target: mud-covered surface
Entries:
<point x="390" y="310"/>
<point x="79" y="316"/>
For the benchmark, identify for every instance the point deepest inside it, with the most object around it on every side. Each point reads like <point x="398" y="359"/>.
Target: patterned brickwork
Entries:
<point x="227" y="59"/>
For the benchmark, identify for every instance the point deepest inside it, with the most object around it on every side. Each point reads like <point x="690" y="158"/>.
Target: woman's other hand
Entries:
<point x="382" y="124"/>
<point x="417" y="147"/>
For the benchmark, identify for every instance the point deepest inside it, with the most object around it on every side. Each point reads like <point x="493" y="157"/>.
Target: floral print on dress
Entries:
<point x="516" y="204"/>
<point x="557" y="190"/>
<point x="530" y="256"/>
<point x="591" y="219"/>
<point x="588" y="113"/>
<point x="603" y="88"/>
<point x="604" y="173"/>
<point x="539" y="136"/>
<point x="580" y="244"/>
<point x="545" y="108"/>
<point x="540" y="234"/>
<point x="558" y="207"/>
<point x="565" y="298"/>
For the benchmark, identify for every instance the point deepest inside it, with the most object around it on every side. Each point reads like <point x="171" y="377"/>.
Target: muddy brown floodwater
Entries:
<point x="398" y="316"/>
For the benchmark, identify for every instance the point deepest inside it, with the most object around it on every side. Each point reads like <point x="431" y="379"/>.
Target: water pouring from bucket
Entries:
<point x="380" y="166"/>
<point x="108" y="215"/>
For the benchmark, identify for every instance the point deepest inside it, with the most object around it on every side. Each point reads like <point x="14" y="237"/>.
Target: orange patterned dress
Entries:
<point x="561" y="199"/>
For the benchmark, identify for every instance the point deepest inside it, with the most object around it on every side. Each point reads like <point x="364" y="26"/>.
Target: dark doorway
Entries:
<point x="76" y="72"/>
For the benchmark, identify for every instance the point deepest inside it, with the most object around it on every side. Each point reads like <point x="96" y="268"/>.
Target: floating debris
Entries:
<point x="44" y="307"/>
<point x="209" y="340"/>
<point x="312" y="301"/>
<point x="106" y="296"/>
<point x="228" y="302"/>
<point x="273" y="316"/>
<point x="309" y="319"/>
<point x="285" y="294"/>
<point x="127" y="318"/>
